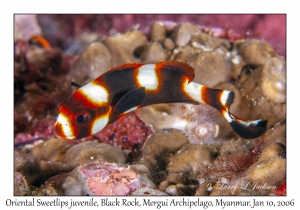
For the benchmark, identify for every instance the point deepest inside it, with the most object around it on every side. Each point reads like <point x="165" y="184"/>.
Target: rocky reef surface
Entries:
<point x="162" y="149"/>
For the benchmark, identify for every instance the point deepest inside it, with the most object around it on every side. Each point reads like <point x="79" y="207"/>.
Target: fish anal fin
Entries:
<point x="178" y="67"/>
<point x="129" y="102"/>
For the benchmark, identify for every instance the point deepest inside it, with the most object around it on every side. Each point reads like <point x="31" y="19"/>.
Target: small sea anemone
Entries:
<point x="202" y="125"/>
<point x="200" y="131"/>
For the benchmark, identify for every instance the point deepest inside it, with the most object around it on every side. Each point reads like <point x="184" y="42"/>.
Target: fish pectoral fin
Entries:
<point x="129" y="102"/>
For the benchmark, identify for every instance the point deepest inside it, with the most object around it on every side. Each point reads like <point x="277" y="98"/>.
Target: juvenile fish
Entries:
<point x="131" y="86"/>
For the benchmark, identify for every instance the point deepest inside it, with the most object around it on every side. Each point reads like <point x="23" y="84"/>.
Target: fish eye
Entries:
<point x="81" y="118"/>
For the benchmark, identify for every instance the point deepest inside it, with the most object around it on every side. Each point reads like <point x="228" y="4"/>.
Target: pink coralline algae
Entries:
<point x="112" y="181"/>
<point x="129" y="132"/>
<point x="41" y="130"/>
<point x="40" y="83"/>
<point x="97" y="179"/>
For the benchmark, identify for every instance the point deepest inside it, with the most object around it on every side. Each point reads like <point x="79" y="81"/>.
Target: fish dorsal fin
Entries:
<point x="178" y="67"/>
<point x="125" y="66"/>
<point x="131" y="100"/>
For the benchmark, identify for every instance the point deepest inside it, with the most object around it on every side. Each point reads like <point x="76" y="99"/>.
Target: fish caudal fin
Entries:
<point x="244" y="128"/>
<point x="248" y="129"/>
<point x="221" y="100"/>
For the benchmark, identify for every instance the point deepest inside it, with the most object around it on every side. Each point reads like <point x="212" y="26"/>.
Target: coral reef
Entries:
<point x="129" y="132"/>
<point x="123" y="47"/>
<point x="101" y="179"/>
<point x="93" y="61"/>
<point x="20" y="184"/>
<point x="263" y="93"/>
<point x="26" y="26"/>
<point x="40" y="83"/>
<point x="55" y="156"/>
<point x="96" y="179"/>
<point x="260" y="172"/>
<point x="41" y="130"/>
<point x="162" y="149"/>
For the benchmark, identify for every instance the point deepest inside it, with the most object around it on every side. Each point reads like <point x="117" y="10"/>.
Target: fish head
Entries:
<point x="83" y="114"/>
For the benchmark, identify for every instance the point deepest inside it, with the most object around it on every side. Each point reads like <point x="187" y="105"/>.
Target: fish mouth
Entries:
<point x="63" y="137"/>
<point x="60" y="134"/>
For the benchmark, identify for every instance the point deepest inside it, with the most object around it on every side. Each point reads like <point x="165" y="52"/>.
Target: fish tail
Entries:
<point x="221" y="100"/>
<point x="247" y="129"/>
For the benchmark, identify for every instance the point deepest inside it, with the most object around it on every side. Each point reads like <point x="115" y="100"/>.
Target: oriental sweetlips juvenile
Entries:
<point x="131" y="86"/>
